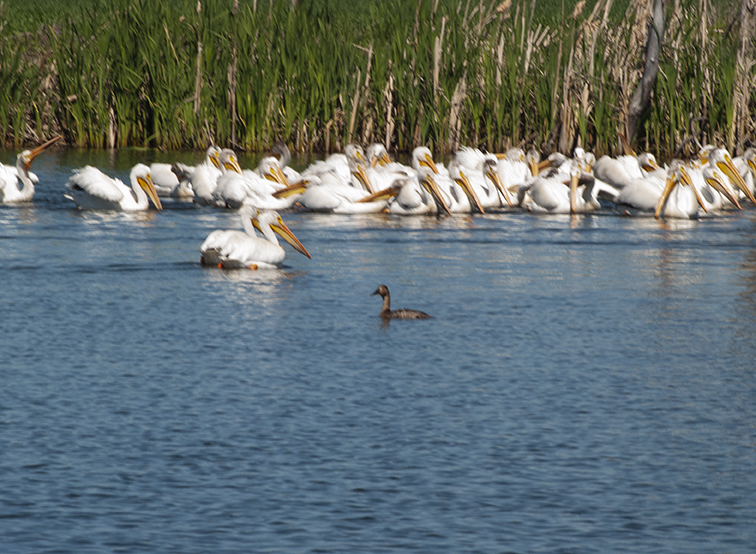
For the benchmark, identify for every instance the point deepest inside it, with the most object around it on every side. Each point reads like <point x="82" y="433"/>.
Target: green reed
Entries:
<point x="441" y="73"/>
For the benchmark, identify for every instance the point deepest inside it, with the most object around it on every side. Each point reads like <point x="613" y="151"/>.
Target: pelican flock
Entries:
<point x="361" y="181"/>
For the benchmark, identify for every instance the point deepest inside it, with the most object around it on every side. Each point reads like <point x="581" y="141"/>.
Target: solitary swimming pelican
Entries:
<point x="388" y="313"/>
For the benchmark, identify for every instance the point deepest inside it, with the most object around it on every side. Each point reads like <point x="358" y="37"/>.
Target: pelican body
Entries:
<point x="388" y="313"/>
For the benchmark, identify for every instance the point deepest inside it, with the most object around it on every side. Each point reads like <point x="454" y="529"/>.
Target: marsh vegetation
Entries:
<point x="320" y="74"/>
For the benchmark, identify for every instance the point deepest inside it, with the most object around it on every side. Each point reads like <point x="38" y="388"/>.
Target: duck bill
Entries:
<point x="464" y="182"/>
<point x="296" y="188"/>
<point x="285" y="233"/>
<point x="493" y="176"/>
<point x="728" y="168"/>
<point x="379" y="196"/>
<point x="363" y="178"/>
<point x="149" y="188"/>
<point x="39" y="149"/>
<point x="573" y="193"/>
<point x="430" y="185"/>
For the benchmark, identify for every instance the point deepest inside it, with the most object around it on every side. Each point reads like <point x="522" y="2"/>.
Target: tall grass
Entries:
<point x="487" y="73"/>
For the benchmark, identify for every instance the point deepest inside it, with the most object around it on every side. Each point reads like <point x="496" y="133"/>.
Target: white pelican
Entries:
<point x="714" y="188"/>
<point x="720" y="158"/>
<point x="237" y="250"/>
<point x="481" y="171"/>
<point x="91" y="189"/>
<point x="515" y="168"/>
<point x="173" y="180"/>
<point x="326" y="193"/>
<point x="203" y="177"/>
<point x="411" y="195"/>
<point x="679" y="199"/>
<point x="10" y="192"/>
<point x="746" y="166"/>
<point x="553" y="195"/>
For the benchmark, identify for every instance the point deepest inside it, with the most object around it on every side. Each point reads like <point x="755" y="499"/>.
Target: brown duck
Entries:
<point x="388" y="313"/>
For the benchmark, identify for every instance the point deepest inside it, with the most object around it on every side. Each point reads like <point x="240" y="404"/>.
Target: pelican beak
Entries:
<point x="427" y="161"/>
<point x="149" y="188"/>
<point x="430" y="185"/>
<point x="723" y="188"/>
<point x="384" y="159"/>
<point x="363" y="178"/>
<point x="626" y="146"/>
<point x="686" y="180"/>
<point x="295" y="188"/>
<point x="214" y="157"/>
<point x="464" y="182"/>
<point x="285" y="233"/>
<point x="493" y="175"/>
<point x="671" y="183"/>
<point x="277" y="175"/>
<point x="650" y="165"/>
<point x="573" y="192"/>
<point x="545" y="164"/>
<point x="728" y="168"/>
<point x="233" y="165"/>
<point x="384" y="194"/>
<point x="38" y="150"/>
<point x="501" y="156"/>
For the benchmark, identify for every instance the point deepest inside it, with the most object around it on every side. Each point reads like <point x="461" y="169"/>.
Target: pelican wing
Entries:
<point x="95" y="183"/>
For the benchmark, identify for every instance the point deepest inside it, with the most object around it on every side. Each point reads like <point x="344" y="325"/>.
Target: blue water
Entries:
<point x="586" y="384"/>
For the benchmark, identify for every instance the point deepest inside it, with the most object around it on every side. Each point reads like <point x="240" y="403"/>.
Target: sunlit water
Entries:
<point x="585" y="384"/>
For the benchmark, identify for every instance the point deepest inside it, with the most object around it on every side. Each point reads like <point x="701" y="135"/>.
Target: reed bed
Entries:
<point x="188" y="73"/>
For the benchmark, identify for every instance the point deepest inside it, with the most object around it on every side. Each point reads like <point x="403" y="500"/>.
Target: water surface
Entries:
<point x="586" y="384"/>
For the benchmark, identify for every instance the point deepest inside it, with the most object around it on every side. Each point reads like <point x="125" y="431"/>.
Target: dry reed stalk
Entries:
<point x="455" y="121"/>
<point x="743" y="68"/>
<point x="355" y="101"/>
<point x="388" y="98"/>
<point x="437" y="50"/>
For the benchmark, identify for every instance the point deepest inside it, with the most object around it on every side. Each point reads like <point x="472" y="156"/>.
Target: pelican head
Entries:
<point x="647" y="161"/>
<point x="716" y="180"/>
<point x="422" y="157"/>
<point x="140" y="174"/>
<point x="228" y="161"/>
<point x="213" y="156"/>
<point x="270" y="169"/>
<point x="26" y="157"/>
<point x="377" y="155"/>
<point x="272" y="220"/>
<point x="354" y="152"/>
<point x="720" y="158"/>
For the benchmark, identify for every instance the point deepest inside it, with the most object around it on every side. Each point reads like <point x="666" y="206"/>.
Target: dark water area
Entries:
<point x="586" y="384"/>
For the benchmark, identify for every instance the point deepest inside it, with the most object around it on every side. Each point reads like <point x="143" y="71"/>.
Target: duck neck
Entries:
<point x="386" y="304"/>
